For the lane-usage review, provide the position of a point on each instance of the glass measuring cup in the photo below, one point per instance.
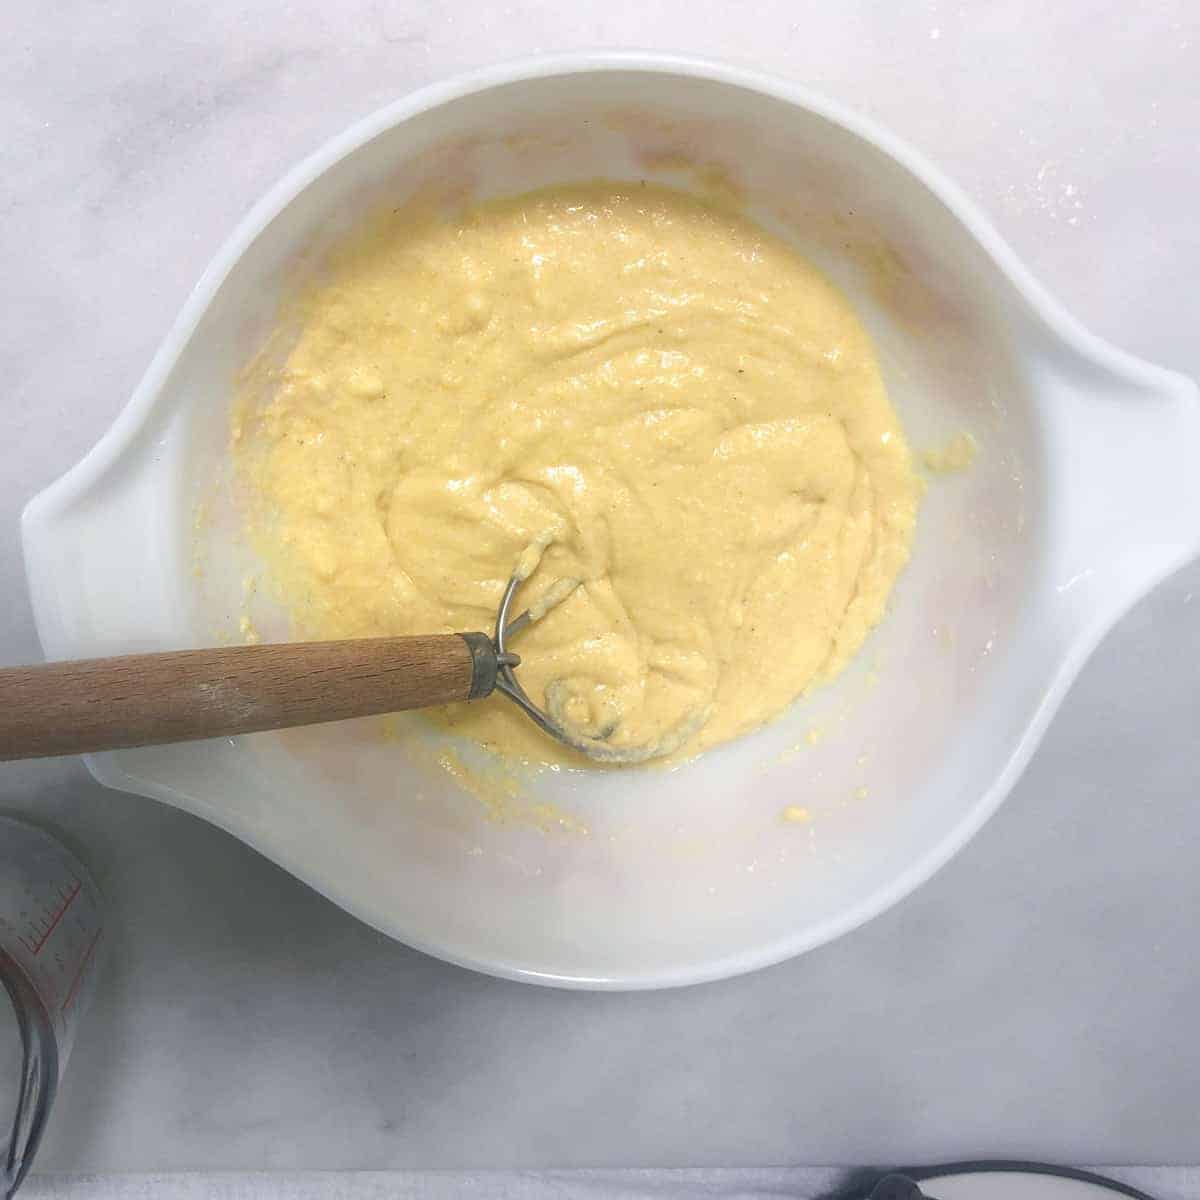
(51, 928)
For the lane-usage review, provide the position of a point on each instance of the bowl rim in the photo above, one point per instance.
(59, 496)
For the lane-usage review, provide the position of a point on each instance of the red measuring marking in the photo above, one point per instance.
(51, 922)
(83, 962)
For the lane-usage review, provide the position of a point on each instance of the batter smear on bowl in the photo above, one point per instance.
(636, 396)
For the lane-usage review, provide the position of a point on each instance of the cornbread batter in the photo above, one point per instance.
(649, 403)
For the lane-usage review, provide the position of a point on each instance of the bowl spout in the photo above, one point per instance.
(1126, 509)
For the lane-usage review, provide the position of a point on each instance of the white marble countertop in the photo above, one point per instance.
(613, 1183)
(1039, 997)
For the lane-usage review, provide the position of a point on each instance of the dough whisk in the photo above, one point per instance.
(100, 704)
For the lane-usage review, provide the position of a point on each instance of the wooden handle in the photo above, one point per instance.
(145, 699)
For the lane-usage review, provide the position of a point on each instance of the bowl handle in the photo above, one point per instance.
(1124, 509)
(107, 552)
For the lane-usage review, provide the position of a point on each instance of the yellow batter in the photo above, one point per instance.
(613, 385)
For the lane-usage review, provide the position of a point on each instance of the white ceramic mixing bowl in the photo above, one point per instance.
(1084, 493)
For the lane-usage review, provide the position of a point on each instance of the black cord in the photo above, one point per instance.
(996, 1165)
